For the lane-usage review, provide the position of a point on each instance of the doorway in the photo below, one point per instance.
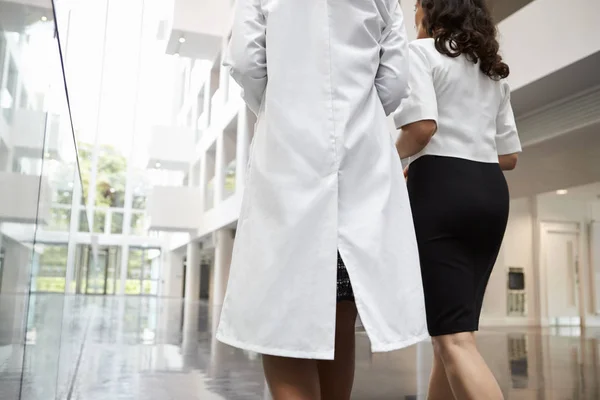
(560, 261)
(97, 276)
(143, 271)
(204, 280)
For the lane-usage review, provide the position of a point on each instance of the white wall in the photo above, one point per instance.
(202, 16)
(569, 209)
(520, 249)
(516, 251)
(542, 37)
(548, 35)
(595, 266)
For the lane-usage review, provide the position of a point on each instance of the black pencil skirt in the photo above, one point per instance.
(460, 210)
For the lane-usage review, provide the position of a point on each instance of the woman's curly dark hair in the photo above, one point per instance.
(465, 27)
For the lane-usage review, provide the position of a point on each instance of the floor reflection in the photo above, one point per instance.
(92, 348)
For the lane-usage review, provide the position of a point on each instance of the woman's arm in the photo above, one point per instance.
(507, 137)
(247, 54)
(391, 80)
(508, 162)
(417, 116)
(414, 137)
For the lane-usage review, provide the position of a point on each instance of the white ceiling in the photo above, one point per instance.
(567, 161)
(505, 8)
(501, 9)
(585, 193)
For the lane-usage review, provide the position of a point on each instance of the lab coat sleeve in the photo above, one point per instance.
(391, 80)
(421, 105)
(507, 137)
(246, 55)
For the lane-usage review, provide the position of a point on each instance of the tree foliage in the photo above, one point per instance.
(111, 176)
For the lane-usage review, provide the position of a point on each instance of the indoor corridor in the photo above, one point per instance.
(93, 347)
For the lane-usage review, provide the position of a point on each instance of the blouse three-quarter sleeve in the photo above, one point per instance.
(421, 105)
(391, 80)
(507, 138)
(247, 52)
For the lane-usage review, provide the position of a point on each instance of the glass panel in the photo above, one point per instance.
(114, 259)
(139, 200)
(151, 271)
(85, 162)
(40, 169)
(81, 273)
(3, 50)
(96, 276)
(138, 222)
(99, 221)
(134, 272)
(60, 219)
(112, 173)
(116, 222)
(230, 179)
(9, 93)
(84, 225)
(50, 268)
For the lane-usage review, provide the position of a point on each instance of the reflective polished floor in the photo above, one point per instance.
(126, 348)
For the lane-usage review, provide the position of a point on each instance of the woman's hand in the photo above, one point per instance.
(406, 173)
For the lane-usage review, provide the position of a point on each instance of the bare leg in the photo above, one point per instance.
(337, 376)
(468, 374)
(292, 378)
(439, 387)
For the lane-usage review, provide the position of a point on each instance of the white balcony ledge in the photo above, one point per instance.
(197, 28)
(19, 197)
(175, 209)
(171, 148)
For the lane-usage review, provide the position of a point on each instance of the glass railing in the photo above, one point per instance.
(40, 183)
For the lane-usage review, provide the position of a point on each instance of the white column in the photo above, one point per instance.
(208, 97)
(223, 250)
(219, 183)
(192, 273)
(202, 181)
(224, 77)
(242, 148)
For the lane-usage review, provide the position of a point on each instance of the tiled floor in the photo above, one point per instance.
(92, 348)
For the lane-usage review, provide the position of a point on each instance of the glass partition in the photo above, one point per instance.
(40, 185)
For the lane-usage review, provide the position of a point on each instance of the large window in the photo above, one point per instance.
(143, 271)
(110, 181)
(116, 222)
(50, 267)
(60, 219)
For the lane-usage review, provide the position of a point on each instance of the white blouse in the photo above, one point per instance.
(473, 113)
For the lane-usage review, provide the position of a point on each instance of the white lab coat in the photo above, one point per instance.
(323, 175)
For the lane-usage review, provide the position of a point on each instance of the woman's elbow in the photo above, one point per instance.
(508, 162)
(421, 131)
